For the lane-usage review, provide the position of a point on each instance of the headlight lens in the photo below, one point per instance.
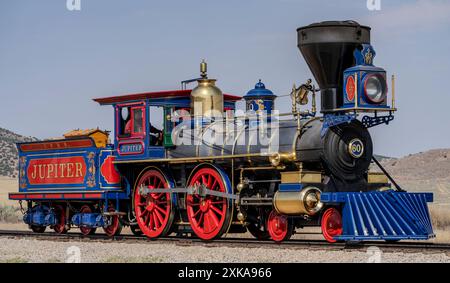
(375, 88)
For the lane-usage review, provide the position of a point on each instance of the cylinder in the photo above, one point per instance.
(305, 201)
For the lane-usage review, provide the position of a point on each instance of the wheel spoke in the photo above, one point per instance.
(210, 179)
(199, 222)
(213, 217)
(159, 216)
(216, 210)
(206, 223)
(155, 220)
(163, 211)
(151, 223)
(147, 219)
(214, 185)
(197, 212)
(204, 180)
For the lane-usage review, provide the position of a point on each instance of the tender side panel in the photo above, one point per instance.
(66, 165)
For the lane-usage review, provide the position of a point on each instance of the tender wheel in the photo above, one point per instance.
(60, 212)
(38, 229)
(136, 230)
(279, 226)
(331, 224)
(86, 230)
(209, 216)
(116, 226)
(154, 211)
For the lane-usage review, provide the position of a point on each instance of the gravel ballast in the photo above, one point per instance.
(28, 250)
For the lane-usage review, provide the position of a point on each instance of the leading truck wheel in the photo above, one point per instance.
(331, 224)
(154, 211)
(209, 215)
(279, 226)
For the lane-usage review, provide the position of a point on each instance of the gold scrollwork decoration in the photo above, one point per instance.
(91, 170)
(22, 178)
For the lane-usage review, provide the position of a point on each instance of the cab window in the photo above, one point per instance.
(124, 120)
(131, 121)
(138, 117)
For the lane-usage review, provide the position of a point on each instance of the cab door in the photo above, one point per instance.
(131, 130)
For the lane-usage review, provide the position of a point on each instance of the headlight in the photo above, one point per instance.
(375, 88)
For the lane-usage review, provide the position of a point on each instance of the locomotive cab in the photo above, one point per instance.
(135, 137)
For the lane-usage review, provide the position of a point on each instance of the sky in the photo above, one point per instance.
(53, 60)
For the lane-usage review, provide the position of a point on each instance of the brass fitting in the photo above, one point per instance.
(241, 216)
(281, 158)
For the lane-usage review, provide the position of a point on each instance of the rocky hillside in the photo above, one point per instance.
(8, 152)
(423, 171)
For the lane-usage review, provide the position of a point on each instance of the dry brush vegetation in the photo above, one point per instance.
(10, 214)
(440, 217)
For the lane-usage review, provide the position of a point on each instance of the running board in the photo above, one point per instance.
(387, 216)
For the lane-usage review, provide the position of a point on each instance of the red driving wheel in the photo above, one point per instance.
(154, 211)
(86, 230)
(279, 226)
(60, 212)
(116, 227)
(209, 215)
(331, 224)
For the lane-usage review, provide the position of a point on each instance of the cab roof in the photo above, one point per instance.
(172, 94)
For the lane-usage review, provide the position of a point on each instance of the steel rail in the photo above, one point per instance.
(237, 242)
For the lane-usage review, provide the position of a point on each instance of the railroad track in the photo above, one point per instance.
(424, 247)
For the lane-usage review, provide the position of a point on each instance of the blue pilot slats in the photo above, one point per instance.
(383, 215)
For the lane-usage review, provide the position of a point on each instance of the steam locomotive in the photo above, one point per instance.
(210, 171)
